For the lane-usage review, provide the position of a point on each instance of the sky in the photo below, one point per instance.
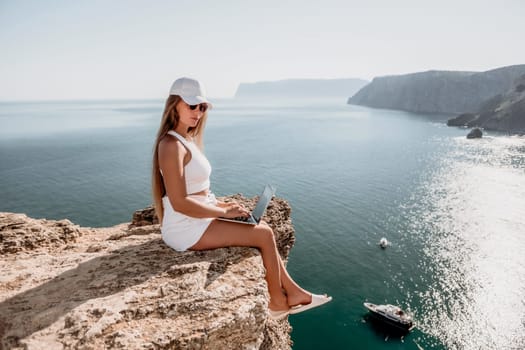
(92, 49)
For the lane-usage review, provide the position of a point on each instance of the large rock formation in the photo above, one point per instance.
(475, 133)
(437, 91)
(65, 286)
(298, 88)
(504, 112)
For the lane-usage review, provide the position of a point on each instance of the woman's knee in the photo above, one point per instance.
(266, 235)
(264, 223)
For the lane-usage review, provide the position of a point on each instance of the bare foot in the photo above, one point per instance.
(300, 297)
(278, 303)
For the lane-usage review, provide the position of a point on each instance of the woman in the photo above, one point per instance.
(187, 209)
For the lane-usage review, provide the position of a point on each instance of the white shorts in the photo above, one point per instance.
(180, 231)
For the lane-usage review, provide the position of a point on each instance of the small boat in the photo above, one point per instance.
(383, 243)
(392, 315)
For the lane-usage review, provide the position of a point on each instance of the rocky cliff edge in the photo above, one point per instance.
(63, 286)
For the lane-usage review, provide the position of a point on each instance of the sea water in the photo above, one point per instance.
(453, 209)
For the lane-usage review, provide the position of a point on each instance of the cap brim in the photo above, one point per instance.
(195, 100)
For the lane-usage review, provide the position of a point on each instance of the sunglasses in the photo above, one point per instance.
(202, 107)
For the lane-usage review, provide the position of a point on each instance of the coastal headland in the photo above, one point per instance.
(493, 100)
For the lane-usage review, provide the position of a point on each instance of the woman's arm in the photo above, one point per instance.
(172, 155)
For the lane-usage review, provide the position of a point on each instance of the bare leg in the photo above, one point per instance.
(226, 234)
(294, 293)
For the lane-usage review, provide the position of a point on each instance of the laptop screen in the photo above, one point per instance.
(263, 202)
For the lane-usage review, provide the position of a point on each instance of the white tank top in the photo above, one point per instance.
(197, 171)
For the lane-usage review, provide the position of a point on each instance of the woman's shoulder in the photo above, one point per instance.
(170, 144)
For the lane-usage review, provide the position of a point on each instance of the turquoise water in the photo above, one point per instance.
(454, 209)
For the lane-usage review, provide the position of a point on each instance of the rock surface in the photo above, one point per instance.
(68, 287)
(503, 112)
(475, 133)
(446, 92)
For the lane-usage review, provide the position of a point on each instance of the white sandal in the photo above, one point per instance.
(278, 315)
(317, 300)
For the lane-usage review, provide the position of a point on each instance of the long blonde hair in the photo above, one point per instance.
(170, 120)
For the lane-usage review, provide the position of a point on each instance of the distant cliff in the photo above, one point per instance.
(451, 92)
(296, 88)
(503, 112)
(68, 287)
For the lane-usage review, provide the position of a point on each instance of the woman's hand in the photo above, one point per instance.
(222, 204)
(234, 210)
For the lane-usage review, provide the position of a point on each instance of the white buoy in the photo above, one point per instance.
(383, 243)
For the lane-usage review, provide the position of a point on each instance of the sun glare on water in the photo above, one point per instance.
(471, 219)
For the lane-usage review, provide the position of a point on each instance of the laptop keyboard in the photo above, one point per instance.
(239, 218)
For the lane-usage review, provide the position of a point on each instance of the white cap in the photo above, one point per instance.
(190, 90)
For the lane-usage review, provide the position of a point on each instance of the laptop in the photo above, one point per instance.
(257, 213)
